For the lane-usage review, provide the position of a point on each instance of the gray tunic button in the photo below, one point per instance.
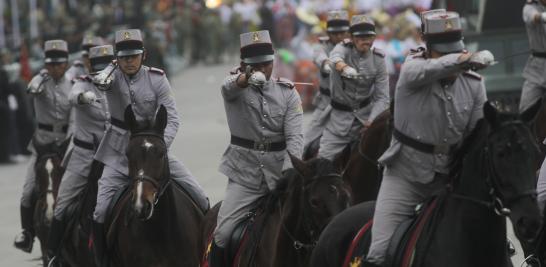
(265, 115)
(449, 113)
(445, 140)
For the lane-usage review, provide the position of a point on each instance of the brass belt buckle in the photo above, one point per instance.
(262, 146)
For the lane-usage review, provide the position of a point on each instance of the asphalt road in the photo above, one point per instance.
(202, 138)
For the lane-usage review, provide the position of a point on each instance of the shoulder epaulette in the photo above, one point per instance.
(78, 63)
(156, 70)
(378, 52)
(235, 70)
(472, 75)
(285, 82)
(347, 42)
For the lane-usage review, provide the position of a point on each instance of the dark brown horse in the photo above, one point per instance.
(362, 171)
(494, 180)
(539, 129)
(293, 216)
(49, 173)
(76, 240)
(155, 223)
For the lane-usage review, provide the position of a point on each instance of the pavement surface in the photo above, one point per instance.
(202, 138)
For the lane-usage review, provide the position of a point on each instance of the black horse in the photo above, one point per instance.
(290, 219)
(155, 222)
(494, 177)
(76, 239)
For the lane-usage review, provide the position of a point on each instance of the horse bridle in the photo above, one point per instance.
(497, 200)
(160, 188)
(310, 229)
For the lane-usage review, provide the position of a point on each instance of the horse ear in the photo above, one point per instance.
(130, 119)
(299, 165)
(490, 113)
(161, 119)
(529, 114)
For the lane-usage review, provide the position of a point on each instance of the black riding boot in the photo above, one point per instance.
(217, 257)
(54, 242)
(99, 245)
(25, 239)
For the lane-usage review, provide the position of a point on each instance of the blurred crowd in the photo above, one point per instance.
(181, 33)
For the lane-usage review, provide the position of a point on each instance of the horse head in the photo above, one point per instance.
(49, 172)
(509, 153)
(324, 192)
(148, 162)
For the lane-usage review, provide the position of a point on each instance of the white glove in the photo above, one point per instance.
(543, 17)
(102, 79)
(36, 85)
(349, 71)
(87, 97)
(326, 68)
(257, 79)
(481, 59)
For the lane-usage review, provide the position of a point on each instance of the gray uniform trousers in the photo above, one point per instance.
(239, 201)
(111, 181)
(541, 186)
(319, 120)
(69, 190)
(28, 187)
(395, 204)
(331, 143)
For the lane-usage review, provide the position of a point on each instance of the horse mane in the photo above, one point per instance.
(468, 145)
(293, 180)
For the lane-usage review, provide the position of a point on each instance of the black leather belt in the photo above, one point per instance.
(324, 91)
(51, 128)
(423, 147)
(539, 54)
(260, 146)
(343, 107)
(83, 144)
(118, 123)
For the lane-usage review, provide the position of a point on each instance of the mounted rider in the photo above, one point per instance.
(534, 87)
(129, 82)
(49, 91)
(438, 101)
(265, 120)
(91, 118)
(337, 27)
(359, 87)
(83, 66)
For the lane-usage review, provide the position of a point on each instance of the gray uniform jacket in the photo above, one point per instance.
(431, 113)
(146, 91)
(76, 70)
(272, 114)
(90, 122)
(320, 55)
(351, 92)
(536, 32)
(52, 107)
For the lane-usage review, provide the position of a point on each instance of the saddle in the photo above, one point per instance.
(403, 242)
(248, 230)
